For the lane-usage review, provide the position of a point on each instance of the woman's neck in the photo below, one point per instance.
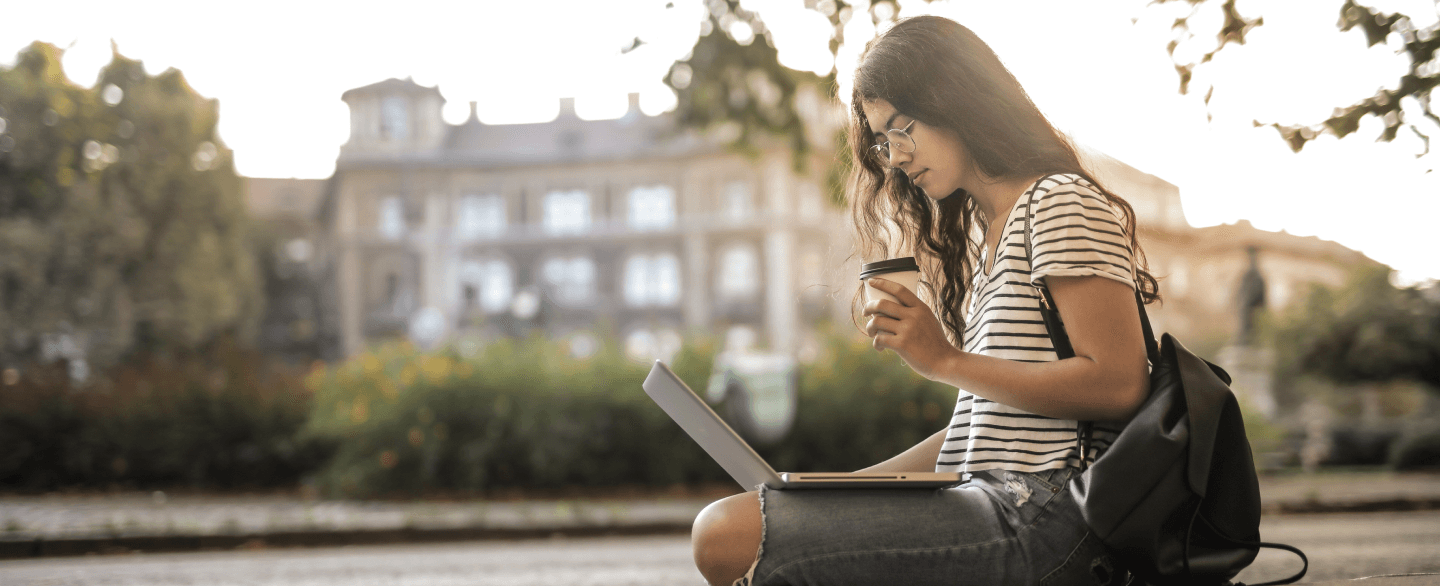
(997, 198)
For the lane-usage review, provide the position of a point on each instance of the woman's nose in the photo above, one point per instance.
(898, 157)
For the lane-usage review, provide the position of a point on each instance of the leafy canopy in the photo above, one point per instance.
(121, 219)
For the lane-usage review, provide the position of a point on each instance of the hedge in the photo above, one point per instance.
(523, 414)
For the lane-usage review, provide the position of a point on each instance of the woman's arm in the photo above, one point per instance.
(919, 458)
(1106, 380)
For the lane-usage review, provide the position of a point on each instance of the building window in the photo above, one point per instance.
(392, 218)
(739, 273)
(740, 339)
(571, 280)
(652, 208)
(394, 119)
(582, 345)
(480, 216)
(644, 345)
(489, 285)
(566, 212)
(737, 201)
(652, 280)
(392, 293)
(392, 289)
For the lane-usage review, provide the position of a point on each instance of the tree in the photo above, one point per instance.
(1368, 331)
(1392, 29)
(121, 220)
(734, 81)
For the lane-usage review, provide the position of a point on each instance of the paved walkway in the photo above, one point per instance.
(61, 524)
(1349, 491)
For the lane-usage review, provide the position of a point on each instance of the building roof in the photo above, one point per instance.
(567, 139)
(1242, 234)
(391, 86)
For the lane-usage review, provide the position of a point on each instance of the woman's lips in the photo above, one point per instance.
(916, 176)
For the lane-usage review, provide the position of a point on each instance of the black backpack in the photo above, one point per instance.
(1175, 498)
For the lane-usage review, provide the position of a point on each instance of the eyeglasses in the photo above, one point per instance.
(900, 137)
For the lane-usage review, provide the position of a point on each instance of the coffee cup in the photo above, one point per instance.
(902, 270)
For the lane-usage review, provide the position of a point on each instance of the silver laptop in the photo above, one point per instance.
(747, 467)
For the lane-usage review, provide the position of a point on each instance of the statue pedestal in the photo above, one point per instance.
(1250, 369)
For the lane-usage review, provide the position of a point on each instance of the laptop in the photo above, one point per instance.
(747, 467)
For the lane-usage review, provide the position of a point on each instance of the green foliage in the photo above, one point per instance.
(740, 82)
(858, 407)
(1367, 331)
(120, 213)
(522, 414)
(737, 85)
(1417, 449)
(1265, 436)
(526, 415)
(217, 417)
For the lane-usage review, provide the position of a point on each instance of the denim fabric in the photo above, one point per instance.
(1001, 527)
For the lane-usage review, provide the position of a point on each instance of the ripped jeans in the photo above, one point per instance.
(1000, 527)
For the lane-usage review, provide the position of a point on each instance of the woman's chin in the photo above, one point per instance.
(947, 194)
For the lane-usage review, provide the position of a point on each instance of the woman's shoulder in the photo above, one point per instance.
(1061, 184)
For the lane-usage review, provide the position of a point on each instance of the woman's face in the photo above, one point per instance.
(939, 163)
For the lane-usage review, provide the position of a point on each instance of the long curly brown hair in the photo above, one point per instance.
(937, 71)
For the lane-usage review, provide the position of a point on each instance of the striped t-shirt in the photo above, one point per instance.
(1074, 232)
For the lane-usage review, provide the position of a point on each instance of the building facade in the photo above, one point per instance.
(577, 230)
(634, 229)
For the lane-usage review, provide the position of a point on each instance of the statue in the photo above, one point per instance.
(1252, 298)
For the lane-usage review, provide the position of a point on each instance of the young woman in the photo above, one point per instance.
(951, 156)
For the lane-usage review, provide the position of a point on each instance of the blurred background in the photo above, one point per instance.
(429, 251)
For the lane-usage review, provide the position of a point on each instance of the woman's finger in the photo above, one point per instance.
(897, 290)
(883, 307)
(881, 342)
(882, 324)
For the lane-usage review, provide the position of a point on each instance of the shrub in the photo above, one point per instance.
(221, 417)
(520, 414)
(523, 414)
(1357, 445)
(1418, 449)
(858, 407)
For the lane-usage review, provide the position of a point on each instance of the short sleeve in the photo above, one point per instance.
(1076, 232)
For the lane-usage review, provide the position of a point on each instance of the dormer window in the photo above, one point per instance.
(395, 119)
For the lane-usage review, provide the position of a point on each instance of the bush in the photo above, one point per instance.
(858, 407)
(521, 414)
(525, 415)
(222, 417)
(1355, 445)
(1419, 449)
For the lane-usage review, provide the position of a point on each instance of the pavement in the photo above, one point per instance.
(59, 525)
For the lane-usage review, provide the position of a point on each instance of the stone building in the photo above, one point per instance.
(574, 229)
(633, 229)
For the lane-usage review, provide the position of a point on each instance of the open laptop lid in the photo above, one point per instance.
(711, 432)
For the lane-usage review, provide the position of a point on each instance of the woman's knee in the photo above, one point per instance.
(726, 536)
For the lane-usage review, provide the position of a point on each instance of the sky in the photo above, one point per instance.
(1097, 68)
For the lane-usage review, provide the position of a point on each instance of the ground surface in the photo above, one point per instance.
(1340, 547)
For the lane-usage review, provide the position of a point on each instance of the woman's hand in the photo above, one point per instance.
(909, 328)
